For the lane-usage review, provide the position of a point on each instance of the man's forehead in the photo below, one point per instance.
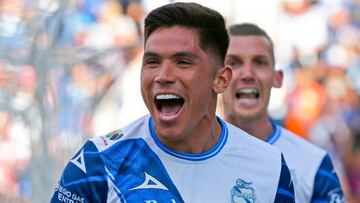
(249, 39)
(174, 40)
(176, 32)
(254, 45)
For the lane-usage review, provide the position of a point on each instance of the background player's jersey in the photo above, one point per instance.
(313, 174)
(131, 165)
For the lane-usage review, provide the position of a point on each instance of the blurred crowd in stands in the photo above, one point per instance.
(69, 70)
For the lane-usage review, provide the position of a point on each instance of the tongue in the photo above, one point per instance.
(170, 109)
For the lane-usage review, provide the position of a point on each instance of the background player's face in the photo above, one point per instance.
(253, 77)
(177, 83)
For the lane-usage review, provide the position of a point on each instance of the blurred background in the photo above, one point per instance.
(69, 71)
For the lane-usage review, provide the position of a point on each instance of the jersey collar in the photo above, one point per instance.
(275, 134)
(193, 157)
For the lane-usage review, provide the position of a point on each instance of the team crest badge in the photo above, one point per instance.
(242, 192)
(115, 135)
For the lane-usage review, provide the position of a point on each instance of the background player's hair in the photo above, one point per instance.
(209, 23)
(246, 29)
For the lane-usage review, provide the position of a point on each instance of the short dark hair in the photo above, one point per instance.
(246, 29)
(209, 23)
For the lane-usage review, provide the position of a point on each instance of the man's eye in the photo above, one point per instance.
(261, 62)
(232, 63)
(184, 62)
(150, 62)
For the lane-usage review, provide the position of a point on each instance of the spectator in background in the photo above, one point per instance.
(332, 130)
(122, 104)
(251, 56)
(137, 13)
(301, 28)
(8, 182)
(113, 28)
(305, 103)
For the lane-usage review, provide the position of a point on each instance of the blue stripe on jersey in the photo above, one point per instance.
(285, 192)
(138, 173)
(117, 191)
(328, 174)
(193, 157)
(275, 135)
(83, 175)
(326, 184)
(86, 180)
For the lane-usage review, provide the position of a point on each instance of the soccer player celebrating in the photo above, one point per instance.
(180, 152)
(251, 56)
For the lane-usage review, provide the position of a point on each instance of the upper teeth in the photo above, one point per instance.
(248, 91)
(167, 96)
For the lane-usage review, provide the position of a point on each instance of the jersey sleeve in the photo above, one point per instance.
(327, 186)
(84, 178)
(285, 190)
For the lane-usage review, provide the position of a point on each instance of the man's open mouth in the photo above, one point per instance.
(247, 94)
(168, 105)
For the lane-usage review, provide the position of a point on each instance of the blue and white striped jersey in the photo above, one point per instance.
(314, 177)
(131, 165)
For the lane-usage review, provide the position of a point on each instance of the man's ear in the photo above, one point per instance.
(222, 79)
(279, 75)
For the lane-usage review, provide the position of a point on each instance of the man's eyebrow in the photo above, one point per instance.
(176, 55)
(150, 54)
(232, 56)
(261, 54)
(186, 54)
(262, 57)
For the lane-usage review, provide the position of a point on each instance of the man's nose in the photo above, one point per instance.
(247, 72)
(166, 73)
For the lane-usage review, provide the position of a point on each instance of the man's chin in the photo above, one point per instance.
(247, 114)
(167, 132)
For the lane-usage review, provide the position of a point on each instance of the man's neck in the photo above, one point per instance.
(259, 127)
(200, 140)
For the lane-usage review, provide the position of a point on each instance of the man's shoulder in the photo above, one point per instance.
(101, 151)
(95, 165)
(246, 138)
(253, 145)
(134, 130)
(302, 157)
(289, 141)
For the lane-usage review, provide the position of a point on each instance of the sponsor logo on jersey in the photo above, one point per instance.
(242, 192)
(115, 135)
(64, 195)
